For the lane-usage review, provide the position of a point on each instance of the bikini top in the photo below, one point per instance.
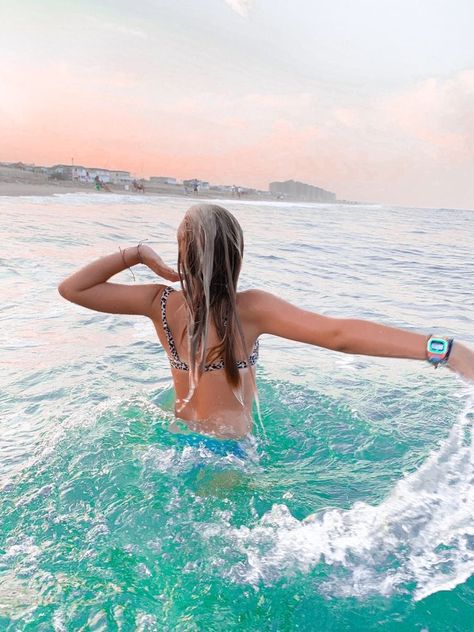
(177, 363)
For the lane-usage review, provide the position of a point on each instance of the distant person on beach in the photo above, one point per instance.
(210, 331)
(138, 186)
(196, 187)
(100, 184)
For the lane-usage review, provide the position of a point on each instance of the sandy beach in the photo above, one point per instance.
(17, 182)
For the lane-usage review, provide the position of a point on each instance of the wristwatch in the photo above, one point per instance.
(438, 350)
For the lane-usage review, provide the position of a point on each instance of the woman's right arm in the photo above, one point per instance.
(273, 315)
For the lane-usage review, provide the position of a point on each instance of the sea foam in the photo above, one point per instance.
(420, 538)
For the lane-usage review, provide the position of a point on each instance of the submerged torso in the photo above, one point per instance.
(213, 408)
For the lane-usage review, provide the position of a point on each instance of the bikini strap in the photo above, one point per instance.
(175, 360)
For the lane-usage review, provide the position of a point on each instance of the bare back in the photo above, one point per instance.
(213, 408)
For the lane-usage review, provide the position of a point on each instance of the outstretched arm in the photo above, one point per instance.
(90, 286)
(275, 316)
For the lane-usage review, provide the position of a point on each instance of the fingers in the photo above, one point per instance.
(168, 273)
(173, 276)
(161, 269)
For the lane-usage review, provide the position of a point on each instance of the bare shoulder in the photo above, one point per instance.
(258, 306)
(270, 314)
(159, 288)
(158, 291)
(254, 299)
(258, 299)
(254, 294)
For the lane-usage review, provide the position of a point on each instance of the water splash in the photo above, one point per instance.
(420, 539)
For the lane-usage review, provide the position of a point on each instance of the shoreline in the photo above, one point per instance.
(18, 183)
(25, 189)
(29, 189)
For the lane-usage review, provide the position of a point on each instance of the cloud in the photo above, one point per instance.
(115, 27)
(413, 146)
(438, 114)
(239, 6)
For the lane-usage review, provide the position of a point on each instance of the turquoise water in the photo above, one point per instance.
(355, 513)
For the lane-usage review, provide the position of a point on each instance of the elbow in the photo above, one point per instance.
(65, 291)
(340, 341)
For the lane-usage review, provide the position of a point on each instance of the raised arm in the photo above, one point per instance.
(275, 316)
(90, 286)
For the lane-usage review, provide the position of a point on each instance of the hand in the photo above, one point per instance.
(461, 360)
(155, 262)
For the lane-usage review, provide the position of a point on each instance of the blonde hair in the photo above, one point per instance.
(211, 246)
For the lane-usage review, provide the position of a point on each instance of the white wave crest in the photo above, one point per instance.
(421, 536)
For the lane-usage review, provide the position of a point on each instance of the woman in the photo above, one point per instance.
(210, 331)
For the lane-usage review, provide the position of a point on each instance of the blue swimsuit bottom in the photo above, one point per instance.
(244, 449)
(218, 447)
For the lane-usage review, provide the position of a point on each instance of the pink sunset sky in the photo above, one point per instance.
(371, 99)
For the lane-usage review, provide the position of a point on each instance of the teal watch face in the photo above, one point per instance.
(437, 345)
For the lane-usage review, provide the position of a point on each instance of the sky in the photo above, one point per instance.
(371, 99)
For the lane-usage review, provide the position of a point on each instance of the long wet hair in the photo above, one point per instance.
(211, 246)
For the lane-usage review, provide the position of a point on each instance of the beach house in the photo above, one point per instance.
(163, 180)
(301, 191)
(87, 174)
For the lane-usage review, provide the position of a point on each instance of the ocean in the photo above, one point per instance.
(355, 510)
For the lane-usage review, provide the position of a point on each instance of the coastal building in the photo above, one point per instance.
(87, 174)
(163, 180)
(301, 191)
(249, 191)
(31, 168)
(67, 172)
(225, 188)
(18, 165)
(40, 169)
(120, 177)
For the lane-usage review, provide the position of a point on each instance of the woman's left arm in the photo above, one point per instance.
(90, 286)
